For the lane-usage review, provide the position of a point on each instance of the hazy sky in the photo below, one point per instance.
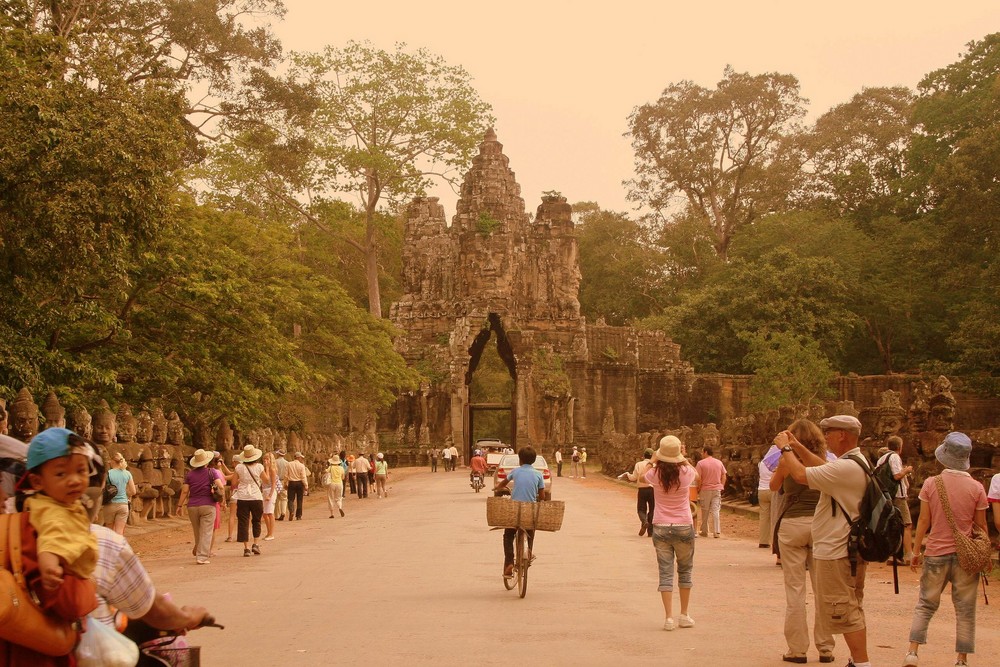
(562, 78)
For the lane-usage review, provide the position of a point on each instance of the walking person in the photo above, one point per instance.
(712, 473)
(381, 475)
(558, 458)
(794, 535)
(116, 509)
(434, 459)
(574, 460)
(583, 463)
(248, 477)
(446, 455)
(218, 466)
(950, 502)
(840, 585)
(765, 519)
(281, 502)
(270, 493)
(361, 468)
(196, 497)
(645, 501)
(335, 489)
(673, 533)
(352, 477)
(901, 500)
(298, 483)
(453, 450)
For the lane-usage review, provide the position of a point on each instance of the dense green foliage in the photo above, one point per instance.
(117, 283)
(867, 242)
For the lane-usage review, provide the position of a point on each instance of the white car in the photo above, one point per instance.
(510, 461)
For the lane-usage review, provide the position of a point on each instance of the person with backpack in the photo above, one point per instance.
(892, 474)
(954, 492)
(840, 578)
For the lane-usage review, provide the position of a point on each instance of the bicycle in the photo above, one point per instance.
(522, 561)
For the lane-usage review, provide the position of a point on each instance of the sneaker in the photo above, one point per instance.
(668, 624)
(826, 657)
(203, 562)
(911, 660)
(685, 621)
(961, 663)
(269, 538)
(255, 549)
(508, 570)
(246, 553)
(799, 659)
(717, 535)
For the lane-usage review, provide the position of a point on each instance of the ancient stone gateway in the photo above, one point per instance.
(497, 274)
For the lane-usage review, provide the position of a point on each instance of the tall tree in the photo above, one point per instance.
(788, 369)
(388, 124)
(857, 153)
(729, 152)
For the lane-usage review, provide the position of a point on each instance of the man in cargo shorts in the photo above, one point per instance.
(841, 483)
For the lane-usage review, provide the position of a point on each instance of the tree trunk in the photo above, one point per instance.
(371, 265)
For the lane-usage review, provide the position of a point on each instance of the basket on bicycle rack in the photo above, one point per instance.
(502, 512)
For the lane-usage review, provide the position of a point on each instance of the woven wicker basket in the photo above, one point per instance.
(502, 512)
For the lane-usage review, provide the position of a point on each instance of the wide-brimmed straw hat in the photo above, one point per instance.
(249, 455)
(334, 460)
(202, 457)
(669, 451)
(954, 451)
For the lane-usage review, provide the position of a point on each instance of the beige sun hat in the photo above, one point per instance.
(249, 455)
(201, 458)
(669, 451)
(335, 460)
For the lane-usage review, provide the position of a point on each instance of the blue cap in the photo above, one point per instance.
(954, 451)
(51, 443)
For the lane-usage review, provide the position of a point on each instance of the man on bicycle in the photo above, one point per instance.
(529, 487)
(477, 465)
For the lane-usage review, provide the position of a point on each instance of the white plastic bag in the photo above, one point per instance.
(103, 646)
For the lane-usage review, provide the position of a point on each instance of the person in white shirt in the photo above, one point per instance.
(446, 455)
(645, 502)
(558, 457)
(361, 467)
(900, 500)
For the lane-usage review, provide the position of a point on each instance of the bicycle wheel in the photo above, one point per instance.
(522, 563)
(513, 580)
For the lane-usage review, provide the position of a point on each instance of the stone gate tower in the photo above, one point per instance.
(495, 271)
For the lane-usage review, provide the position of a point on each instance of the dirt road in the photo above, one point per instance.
(414, 579)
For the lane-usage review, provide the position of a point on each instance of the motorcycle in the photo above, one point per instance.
(477, 481)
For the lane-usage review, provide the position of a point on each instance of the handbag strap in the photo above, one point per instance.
(4, 518)
(14, 548)
(945, 505)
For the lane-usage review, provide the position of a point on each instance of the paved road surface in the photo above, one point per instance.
(415, 580)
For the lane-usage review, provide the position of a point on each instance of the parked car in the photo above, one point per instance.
(510, 461)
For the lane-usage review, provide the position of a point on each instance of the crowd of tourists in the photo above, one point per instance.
(814, 479)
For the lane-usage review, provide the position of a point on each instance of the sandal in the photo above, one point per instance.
(229, 539)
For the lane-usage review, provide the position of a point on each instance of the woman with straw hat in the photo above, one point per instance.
(196, 497)
(248, 477)
(672, 529)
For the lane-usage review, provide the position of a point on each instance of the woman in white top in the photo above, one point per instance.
(248, 477)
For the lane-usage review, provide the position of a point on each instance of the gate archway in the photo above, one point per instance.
(494, 327)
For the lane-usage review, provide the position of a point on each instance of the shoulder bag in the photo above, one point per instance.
(975, 552)
(218, 493)
(22, 622)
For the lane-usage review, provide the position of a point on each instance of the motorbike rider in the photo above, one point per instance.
(477, 465)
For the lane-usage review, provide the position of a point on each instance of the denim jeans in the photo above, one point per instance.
(938, 572)
(674, 542)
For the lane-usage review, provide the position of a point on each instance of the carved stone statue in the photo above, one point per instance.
(920, 407)
(23, 420)
(890, 415)
(104, 426)
(224, 437)
(55, 414)
(942, 406)
(175, 430)
(127, 427)
(82, 423)
(144, 428)
(159, 427)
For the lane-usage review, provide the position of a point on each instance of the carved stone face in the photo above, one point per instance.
(23, 417)
(175, 430)
(55, 415)
(942, 418)
(82, 423)
(888, 425)
(104, 428)
(144, 428)
(159, 427)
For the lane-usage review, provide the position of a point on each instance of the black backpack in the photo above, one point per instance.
(877, 534)
(886, 479)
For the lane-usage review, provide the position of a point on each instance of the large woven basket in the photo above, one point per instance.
(502, 512)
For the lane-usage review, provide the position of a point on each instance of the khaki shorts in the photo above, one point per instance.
(904, 510)
(113, 511)
(837, 600)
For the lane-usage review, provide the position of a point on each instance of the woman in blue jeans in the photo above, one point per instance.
(966, 500)
(672, 530)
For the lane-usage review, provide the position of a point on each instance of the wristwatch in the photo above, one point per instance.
(787, 448)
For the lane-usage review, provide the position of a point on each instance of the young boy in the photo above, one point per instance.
(529, 487)
(59, 469)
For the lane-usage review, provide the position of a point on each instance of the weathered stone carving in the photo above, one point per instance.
(55, 414)
(942, 406)
(23, 419)
(82, 423)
